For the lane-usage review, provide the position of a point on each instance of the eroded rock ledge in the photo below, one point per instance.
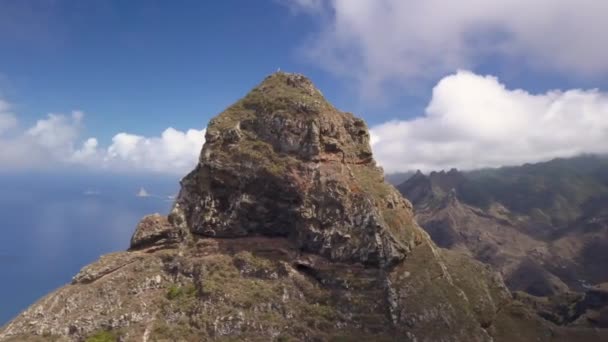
(258, 288)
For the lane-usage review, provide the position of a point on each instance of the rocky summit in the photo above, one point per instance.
(283, 162)
(285, 231)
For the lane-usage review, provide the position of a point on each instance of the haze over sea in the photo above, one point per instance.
(54, 224)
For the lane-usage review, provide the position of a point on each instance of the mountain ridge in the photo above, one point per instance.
(542, 226)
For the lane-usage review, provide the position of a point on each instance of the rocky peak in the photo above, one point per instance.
(417, 188)
(282, 161)
(288, 114)
(451, 198)
(436, 189)
(446, 181)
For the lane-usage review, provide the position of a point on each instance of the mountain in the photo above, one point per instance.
(543, 226)
(285, 230)
(398, 177)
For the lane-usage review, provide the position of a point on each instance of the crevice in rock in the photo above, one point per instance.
(309, 271)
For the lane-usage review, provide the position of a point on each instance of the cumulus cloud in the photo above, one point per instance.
(471, 121)
(56, 140)
(382, 41)
(174, 151)
(41, 145)
(474, 121)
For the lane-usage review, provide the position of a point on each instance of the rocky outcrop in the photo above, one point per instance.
(155, 229)
(285, 230)
(283, 162)
(259, 288)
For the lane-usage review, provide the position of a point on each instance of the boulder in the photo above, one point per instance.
(154, 229)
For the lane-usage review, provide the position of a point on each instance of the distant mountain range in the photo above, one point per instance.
(543, 226)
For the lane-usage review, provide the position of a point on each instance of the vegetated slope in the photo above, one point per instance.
(543, 226)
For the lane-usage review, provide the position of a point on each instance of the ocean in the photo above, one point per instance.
(53, 224)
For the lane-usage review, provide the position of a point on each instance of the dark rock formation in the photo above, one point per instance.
(155, 229)
(283, 162)
(284, 231)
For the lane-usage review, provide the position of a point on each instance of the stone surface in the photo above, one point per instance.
(155, 229)
(265, 289)
(284, 162)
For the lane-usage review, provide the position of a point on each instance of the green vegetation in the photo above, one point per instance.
(552, 193)
(371, 182)
(102, 336)
(399, 223)
(272, 95)
(262, 153)
(319, 311)
(256, 262)
(277, 92)
(174, 332)
(559, 188)
(175, 292)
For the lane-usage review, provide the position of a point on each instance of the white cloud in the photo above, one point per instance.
(56, 134)
(474, 121)
(42, 145)
(56, 141)
(471, 121)
(174, 151)
(87, 151)
(382, 41)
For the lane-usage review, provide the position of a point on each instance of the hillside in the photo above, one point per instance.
(543, 226)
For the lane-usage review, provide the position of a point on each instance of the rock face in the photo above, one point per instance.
(284, 162)
(285, 230)
(155, 229)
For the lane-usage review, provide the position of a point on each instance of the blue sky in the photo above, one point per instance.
(139, 67)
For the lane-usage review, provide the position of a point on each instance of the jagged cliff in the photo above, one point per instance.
(284, 162)
(285, 230)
